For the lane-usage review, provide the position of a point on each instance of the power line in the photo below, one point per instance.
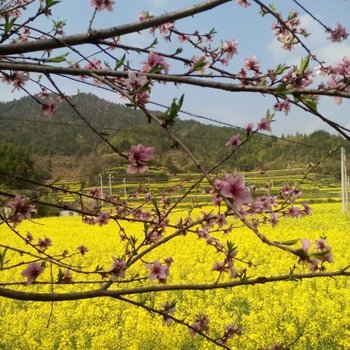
(197, 116)
(191, 114)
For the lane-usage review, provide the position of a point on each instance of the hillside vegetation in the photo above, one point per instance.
(63, 146)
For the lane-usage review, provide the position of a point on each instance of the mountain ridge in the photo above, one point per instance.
(63, 145)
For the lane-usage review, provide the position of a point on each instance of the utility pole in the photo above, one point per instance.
(124, 182)
(344, 182)
(110, 177)
(101, 184)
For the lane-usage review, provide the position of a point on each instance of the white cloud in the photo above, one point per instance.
(334, 53)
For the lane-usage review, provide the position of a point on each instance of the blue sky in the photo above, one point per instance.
(254, 36)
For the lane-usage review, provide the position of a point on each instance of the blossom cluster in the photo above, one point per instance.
(21, 209)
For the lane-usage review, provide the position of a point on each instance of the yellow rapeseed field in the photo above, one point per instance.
(310, 314)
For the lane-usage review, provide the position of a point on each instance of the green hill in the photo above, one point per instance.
(64, 146)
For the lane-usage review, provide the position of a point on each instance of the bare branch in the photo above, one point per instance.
(48, 297)
(94, 35)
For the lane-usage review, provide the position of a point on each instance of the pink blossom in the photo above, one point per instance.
(118, 269)
(333, 83)
(230, 331)
(145, 215)
(93, 64)
(230, 48)
(344, 66)
(242, 75)
(183, 38)
(24, 35)
(263, 204)
(144, 15)
(216, 198)
(168, 309)
(18, 204)
(243, 3)
(200, 63)
(321, 244)
(89, 220)
(103, 219)
(142, 98)
(22, 209)
(338, 34)
(338, 100)
(165, 28)
(293, 212)
(43, 244)
(135, 81)
(265, 124)
(231, 255)
(273, 219)
(249, 128)
(208, 36)
(219, 266)
(82, 249)
(218, 184)
(95, 192)
(328, 257)
(138, 156)
(233, 187)
(282, 106)
(305, 245)
(234, 140)
(154, 235)
(32, 271)
(158, 271)
(169, 260)
(203, 233)
(66, 277)
(29, 237)
(201, 324)
(155, 61)
(286, 191)
(314, 265)
(251, 63)
(307, 209)
(221, 220)
(285, 28)
(49, 109)
(43, 93)
(17, 79)
(295, 79)
(102, 4)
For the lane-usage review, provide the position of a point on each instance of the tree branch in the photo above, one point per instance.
(173, 78)
(48, 297)
(94, 35)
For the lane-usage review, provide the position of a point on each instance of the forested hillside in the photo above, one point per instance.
(16, 161)
(64, 146)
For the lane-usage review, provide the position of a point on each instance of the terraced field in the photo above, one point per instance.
(316, 189)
